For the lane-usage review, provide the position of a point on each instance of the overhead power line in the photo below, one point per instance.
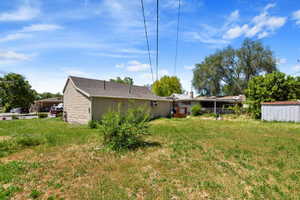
(147, 39)
(177, 37)
(157, 36)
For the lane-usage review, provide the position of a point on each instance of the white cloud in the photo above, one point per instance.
(113, 55)
(8, 57)
(117, 52)
(206, 38)
(22, 34)
(269, 6)
(236, 32)
(122, 14)
(296, 17)
(189, 67)
(120, 66)
(172, 4)
(215, 36)
(136, 66)
(260, 26)
(147, 77)
(76, 72)
(281, 61)
(11, 55)
(14, 36)
(41, 27)
(234, 16)
(23, 13)
(133, 51)
(296, 68)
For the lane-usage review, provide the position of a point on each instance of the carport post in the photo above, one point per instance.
(215, 106)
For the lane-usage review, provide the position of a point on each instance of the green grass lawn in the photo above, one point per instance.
(195, 159)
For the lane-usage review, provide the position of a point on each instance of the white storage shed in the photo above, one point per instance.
(285, 111)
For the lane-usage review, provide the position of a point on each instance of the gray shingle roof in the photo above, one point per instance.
(100, 88)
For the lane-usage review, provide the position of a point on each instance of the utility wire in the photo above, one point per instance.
(177, 38)
(157, 32)
(147, 39)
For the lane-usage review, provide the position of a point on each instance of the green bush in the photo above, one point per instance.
(42, 115)
(124, 131)
(196, 110)
(14, 117)
(29, 140)
(237, 109)
(20, 142)
(92, 124)
(7, 147)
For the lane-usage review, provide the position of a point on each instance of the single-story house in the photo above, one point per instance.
(44, 105)
(287, 111)
(211, 104)
(88, 99)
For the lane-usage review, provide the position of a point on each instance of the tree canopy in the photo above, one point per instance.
(271, 87)
(227, 71)
(126, 80)
(166, 86)
(47, 95)
(16, 92)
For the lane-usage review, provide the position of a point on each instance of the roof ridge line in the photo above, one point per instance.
(107, 81)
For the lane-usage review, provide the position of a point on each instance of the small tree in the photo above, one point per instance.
(166, 86)
(124, 131)
(271, 87)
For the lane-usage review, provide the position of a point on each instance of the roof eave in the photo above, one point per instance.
(133, 98)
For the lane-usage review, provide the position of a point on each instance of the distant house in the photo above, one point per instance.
(88, 99)
(44, 105)
(286, 111)
(210, 104)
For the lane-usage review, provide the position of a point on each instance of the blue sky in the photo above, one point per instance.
(47, 40)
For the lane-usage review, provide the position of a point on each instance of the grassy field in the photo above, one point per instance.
(188, 159)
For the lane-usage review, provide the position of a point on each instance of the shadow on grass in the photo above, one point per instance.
(144, 145)
(137, 145)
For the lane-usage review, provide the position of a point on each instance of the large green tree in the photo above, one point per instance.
(166, 86)
(271, 87)
(227, 71)
(126, 80)
(16, 92)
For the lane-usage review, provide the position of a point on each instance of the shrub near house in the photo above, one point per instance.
(196, 110)
(123, 131)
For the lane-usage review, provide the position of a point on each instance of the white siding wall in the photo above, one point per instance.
(76, 105)
(286, 113)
